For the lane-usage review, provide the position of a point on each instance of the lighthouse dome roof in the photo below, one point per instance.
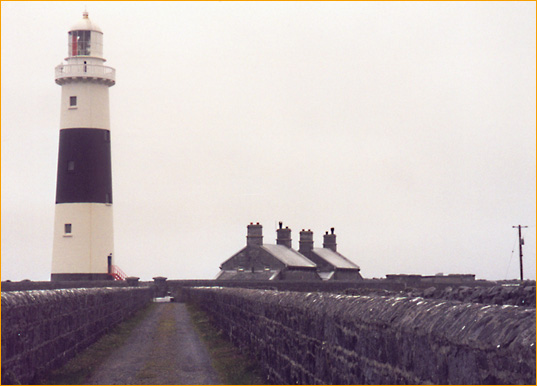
(85, 24)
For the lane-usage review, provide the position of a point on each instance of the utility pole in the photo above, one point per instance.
(520, 244)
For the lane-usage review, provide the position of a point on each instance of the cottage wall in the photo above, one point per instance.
(300, 275)
(347, 274)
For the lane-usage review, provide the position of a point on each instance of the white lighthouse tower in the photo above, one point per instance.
(83, 226)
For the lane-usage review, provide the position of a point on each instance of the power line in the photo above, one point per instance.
(510, 258)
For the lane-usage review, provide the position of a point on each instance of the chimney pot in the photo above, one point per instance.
(329, 241)
(283, 236)
(305, 242)
(254, 235)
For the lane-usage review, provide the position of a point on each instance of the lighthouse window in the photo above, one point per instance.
(67, 229)
(70, 166)
(107, 135)
(72, 101)
(79, 43)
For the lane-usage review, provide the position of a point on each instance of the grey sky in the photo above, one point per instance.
(409, 127)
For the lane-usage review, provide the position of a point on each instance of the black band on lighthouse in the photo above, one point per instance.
(84, 166)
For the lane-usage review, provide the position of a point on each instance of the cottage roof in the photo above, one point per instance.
(288, 256)
(334, 258)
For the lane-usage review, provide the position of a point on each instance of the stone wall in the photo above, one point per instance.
(321, 338)
(175, 286)
(520, 294)
(41, 330)
(513, 294)
(28, 285)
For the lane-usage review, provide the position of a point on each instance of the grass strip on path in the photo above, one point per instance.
(160, 362)
(232, 366)
(81, 367)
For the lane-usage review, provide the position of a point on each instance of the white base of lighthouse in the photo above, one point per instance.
(83, 241)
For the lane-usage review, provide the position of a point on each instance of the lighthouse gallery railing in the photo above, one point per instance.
(64, 71)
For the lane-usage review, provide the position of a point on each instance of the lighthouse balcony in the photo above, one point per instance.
(68, 72)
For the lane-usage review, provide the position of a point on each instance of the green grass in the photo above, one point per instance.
(80, 368)
(232, 366)
(160, 361)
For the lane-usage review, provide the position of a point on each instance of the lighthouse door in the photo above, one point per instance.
(110, 263)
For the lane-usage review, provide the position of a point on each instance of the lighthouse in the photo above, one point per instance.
(83, 247)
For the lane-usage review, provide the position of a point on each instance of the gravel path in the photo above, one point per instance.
(163, 350)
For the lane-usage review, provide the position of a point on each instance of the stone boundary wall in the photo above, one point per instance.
(41, 330)
(175, 287)
(301, 286)
(28, 285)
(515, 295)
(321, 338)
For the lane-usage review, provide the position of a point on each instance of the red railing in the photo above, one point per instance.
(117, 273)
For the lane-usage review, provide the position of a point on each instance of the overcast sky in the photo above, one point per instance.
(409, 127)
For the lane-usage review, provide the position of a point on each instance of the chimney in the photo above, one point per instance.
(255, 234)
(330, 240)
(306, 242)
(283, 236)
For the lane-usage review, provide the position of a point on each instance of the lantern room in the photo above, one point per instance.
(85, 39)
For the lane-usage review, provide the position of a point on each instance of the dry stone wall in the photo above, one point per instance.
(320, 338)
(514, 295)
(28, 285)
(41, 330)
